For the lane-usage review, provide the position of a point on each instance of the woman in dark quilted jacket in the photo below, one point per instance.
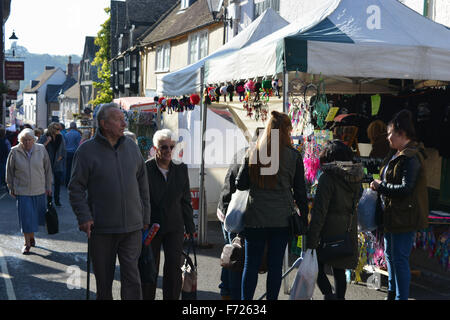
(334, 213)
(404, 200)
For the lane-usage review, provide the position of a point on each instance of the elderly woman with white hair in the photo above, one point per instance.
(29, 178)
(170, 199)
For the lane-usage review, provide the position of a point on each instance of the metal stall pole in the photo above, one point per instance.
(203, 214)
(286, 286)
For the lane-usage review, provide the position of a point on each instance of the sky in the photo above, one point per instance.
(56, 27)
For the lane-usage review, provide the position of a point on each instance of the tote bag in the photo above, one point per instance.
(234, 220)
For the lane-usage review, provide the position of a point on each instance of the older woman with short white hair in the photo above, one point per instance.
(170, 199)
(29, 178)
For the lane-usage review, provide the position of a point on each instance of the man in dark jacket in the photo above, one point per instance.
(108, 191)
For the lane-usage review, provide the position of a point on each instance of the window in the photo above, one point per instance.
(198, 46)
(127, 69)
(87, 69)
(262, 5)
(134, 61)
(163, 57)
(184, 4)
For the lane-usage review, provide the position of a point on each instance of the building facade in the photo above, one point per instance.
(88, 74)
(187, 34)
(129, 20)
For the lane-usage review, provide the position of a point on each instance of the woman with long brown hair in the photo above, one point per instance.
(273, 172)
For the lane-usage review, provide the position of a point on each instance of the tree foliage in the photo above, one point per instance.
(101, 61)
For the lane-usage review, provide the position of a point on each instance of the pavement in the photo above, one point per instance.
(56, 269)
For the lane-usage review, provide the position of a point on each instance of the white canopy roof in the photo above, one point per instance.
(346, 38)
(187, 80)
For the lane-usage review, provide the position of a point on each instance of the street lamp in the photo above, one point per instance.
(214, 7)
(13, 45)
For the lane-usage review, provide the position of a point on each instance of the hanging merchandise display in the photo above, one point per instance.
(320, 106)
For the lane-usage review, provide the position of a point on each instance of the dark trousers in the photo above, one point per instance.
(255, 242)
(57, 176)
(69, 161)
(340, 282)
(173, 247)
(230, 280)
(104, 250)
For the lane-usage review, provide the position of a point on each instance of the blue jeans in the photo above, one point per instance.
(255, 241)
(230, 281)
(397, 251)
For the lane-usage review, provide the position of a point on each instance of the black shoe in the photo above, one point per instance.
(57, 203)
(330, 296)
(26, 250)
(391, 295)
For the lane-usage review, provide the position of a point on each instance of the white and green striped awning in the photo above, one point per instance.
(347, 38)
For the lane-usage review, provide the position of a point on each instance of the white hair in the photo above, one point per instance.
(164, 134)
(26, 132)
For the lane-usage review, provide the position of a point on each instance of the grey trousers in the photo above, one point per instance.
(172, 279)
(104, 250)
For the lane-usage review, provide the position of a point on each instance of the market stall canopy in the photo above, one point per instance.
(187, 80)
(143, 103)
(346, 38)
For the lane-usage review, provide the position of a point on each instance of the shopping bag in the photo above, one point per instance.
(367, 211)
(51, 218)
(189, 276)
(305, 280)
(234, 219)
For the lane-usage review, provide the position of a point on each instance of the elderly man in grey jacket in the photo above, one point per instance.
(109, 194)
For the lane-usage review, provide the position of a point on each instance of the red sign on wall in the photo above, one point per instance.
(14, 70)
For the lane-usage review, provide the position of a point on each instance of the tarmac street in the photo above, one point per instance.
(56, 268)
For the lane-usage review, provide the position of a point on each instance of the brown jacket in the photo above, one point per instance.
(29, 176)
(405, 191)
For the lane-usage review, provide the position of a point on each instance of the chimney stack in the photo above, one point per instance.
(70, 68)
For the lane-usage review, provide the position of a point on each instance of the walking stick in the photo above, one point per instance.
(88, 279)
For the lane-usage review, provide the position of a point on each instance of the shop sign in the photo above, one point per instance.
(14, 70)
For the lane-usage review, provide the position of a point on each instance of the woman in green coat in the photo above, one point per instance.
(334, 212)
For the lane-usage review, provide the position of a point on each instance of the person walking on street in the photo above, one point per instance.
(5, 148)
(72, 139)
(109, 195)
(230, 286)
(273, 189)
(170, 198)
(404, 201)
(56, 148)
(29, 179)
(334, 213)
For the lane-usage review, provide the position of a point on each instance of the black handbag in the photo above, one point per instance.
(297, 225)
(335, 247)
(51, 218)
(147, 266)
